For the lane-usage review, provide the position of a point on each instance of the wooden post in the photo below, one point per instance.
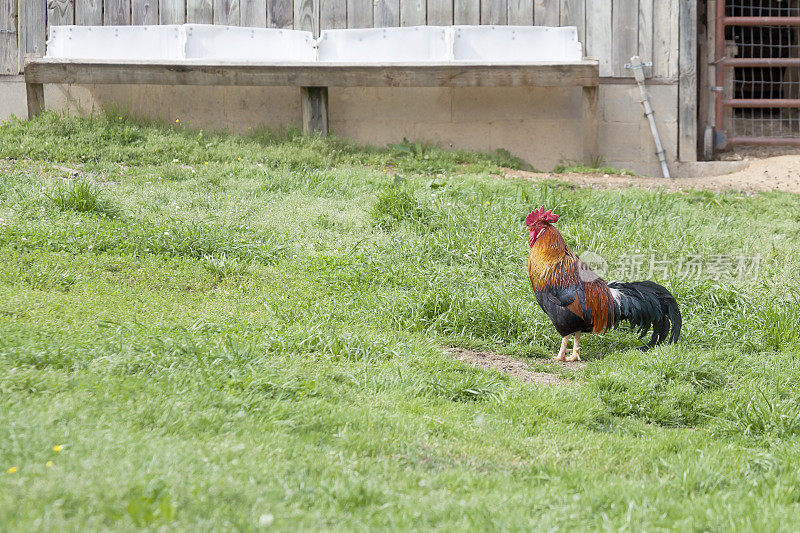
(34, 91)
(314, 102)
(35, 98)
(687, 82)
(591, 124)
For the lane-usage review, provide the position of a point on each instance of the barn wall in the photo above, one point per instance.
(540, 125)
(611, 30)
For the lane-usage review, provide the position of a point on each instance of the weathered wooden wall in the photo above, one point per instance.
(611, 30)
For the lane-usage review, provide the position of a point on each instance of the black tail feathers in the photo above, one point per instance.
(645, 304)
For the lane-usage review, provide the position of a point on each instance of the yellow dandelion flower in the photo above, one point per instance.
(177, 120)
(12, 470)
(206, 162)
(48, 464)
(120, 118)
(58, 448)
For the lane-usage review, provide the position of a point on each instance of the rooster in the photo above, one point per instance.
(578, 300)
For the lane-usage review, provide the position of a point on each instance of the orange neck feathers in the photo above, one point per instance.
(550, 260)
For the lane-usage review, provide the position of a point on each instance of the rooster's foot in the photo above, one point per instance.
(559, 357)
(572, 358)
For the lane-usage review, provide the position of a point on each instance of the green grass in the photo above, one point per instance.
(242, 332)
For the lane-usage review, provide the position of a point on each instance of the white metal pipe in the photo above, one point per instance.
(637, 67)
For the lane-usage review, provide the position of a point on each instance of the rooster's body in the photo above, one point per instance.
(578, 300)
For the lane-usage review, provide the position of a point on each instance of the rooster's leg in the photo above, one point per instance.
(576, 348)
(562, 353)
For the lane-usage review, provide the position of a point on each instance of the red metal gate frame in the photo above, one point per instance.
(722, 62)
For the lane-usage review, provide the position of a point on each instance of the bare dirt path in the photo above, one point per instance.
(780, 173)
(512, 366)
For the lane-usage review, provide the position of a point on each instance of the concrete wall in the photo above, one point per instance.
(540, 125)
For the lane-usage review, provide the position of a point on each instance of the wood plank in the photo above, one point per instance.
(687, 85)
(51, 70)
(646, 32)
(306, 16)
(35, 94)
(665, 39)
(467, 12)
(172, 12)
(144, 12)
(60, 13)
(89, 12)
(116, 12)
(625, 39)
(253, 13)
(494, 12)
(386, 13)
(591, 125)
(598, 33)
(314, 104)
(32, 27)
(9, 48)
(200, 11)
(279, 14)
(332, 14)
(573, 13)
(520, 12)
(547, 12)
(440, 12)
(226, 12)
(412, 12)
(359, 13)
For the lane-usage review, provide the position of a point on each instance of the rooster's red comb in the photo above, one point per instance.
(541, 215)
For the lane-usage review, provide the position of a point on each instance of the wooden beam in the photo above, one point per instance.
(35, 92)
(172, 12)
(314, 103)
(144, 12)
(9, 51)
(89, 13)
(199, 11)
(494, 12)
(306, 16)
(598, 34)
(359, 13)
(591, 124)
(253, 13)
(332, 14)
(412, 12)
(117, 12)
(520, 12)
(32, 27)
(53, 70)
(545, 13)
(279, 14)
(687, 82)
(467, 12)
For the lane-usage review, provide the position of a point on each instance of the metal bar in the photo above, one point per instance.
(765, 141)
(765, 62)
(719, 72)
(760, 21)
(762, 103)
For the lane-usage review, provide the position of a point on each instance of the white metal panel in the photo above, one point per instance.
(386, 45)
(116, 42)
(234, 43)
(518, 44)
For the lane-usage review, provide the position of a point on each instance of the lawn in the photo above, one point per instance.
(211, 332)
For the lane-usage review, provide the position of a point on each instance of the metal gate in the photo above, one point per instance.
(758, 73)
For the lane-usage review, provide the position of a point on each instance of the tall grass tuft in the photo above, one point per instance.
(82, 196)
(396, 205)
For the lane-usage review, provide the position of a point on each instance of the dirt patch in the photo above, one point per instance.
(761, 175)
(512, 366)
